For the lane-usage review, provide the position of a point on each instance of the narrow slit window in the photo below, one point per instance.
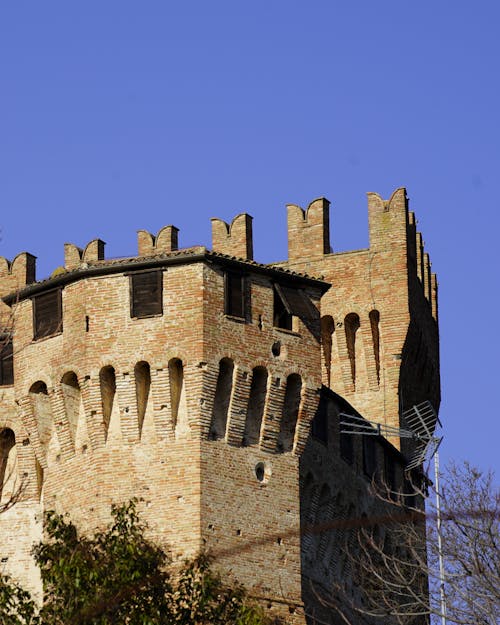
(375, 327)
(6, 362)
(223, 391)
(351, 326)
(142, 373)
(346, 440)
(369, 456)
(234, 294)
(290, 412)
(176, 376)
(319, 426)
(7, 442)
(256, 406)
(107, 381)
(146, 294)
(47, 314)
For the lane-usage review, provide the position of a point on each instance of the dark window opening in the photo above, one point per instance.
(282, 318)
(290, 413)
(369, 456)
(375, 326)
(319, 427)
(223, 391)
(142, 375)
(234, 295)
(256, 406)
(351, 326)
(107, 382)
(7, 442)
(6, 362)
(289, 303)
(146, 294)
(47, 314)
(390, 476)
(346, 440)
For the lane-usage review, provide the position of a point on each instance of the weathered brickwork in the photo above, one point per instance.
(189, 378)
(379, 319)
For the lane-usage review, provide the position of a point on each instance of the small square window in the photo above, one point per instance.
(6, 362)
(146, 294)
(47, 314)
(234, 294)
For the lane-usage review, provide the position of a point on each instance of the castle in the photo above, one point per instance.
(210, 386)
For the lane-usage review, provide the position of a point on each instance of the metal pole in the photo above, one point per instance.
(440, 544)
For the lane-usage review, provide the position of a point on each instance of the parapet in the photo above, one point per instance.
(165, 241)
(234, 239)
(17, 274)
(74, 256)
(309, 230)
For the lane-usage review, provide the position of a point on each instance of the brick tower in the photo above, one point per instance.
(190, 378)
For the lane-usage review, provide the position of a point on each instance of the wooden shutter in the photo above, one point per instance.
(234, 295)
(47, 314)
(295, 301)
(146, 294)
(6, 362)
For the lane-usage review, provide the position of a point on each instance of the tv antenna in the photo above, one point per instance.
(419, 424)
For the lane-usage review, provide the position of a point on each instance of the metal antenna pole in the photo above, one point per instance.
(440, 544)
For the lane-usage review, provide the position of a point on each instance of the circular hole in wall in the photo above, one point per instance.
(276, 349)
(262, 472)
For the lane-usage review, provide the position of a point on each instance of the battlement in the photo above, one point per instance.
(309, 229)
(75, 256)
(165, 241)
(234, 239)
(17, 274)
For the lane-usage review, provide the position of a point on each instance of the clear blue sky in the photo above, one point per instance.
(120, 115)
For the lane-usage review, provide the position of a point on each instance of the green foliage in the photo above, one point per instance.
(16, 605)
(120, 577)
(201, 597)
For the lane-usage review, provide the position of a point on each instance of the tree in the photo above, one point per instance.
(121, 577)
(395, 564)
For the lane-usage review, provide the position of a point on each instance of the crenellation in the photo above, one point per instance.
(234, 239)
(309, 230)
(75, 257)
(166, 241)
(18, 273)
